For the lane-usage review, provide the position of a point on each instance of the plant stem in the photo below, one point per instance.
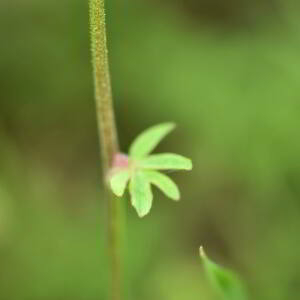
(103, 94)
(108, 136)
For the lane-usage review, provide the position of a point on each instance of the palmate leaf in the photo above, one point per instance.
(166, 161)
(226, 282)
(141, 194)
(118, 182)
(164, 183)
(149, 139)
(140, 169)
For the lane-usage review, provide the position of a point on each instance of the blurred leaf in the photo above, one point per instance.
(118, 182)
(164, 183)
(166, 161)
(141, 194)
(225, 281)
(149, 139)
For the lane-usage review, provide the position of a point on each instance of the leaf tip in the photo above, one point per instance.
(176, 195)
(176, 198)
(118, 182)
(189, 165)
(142, 214)
(170, 125)
(202, 252)
(117, 193)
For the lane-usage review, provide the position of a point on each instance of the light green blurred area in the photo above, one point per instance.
(226, 72)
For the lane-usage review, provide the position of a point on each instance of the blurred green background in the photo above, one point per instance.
(227, 72)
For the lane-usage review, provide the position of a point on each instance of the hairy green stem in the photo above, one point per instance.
(103, 94)
(108, 137)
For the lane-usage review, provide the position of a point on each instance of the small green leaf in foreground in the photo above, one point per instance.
(164, 183)
(226, 282)
(141, 194)
(166, 161)
(149, 139)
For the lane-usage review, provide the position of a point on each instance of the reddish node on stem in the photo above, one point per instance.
(120, 160)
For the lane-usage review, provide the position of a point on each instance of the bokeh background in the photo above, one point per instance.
(227, 72)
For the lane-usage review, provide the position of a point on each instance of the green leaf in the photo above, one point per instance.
(164, 183)
(118, 182)
(166, 161)
(226, 282)
(149, 139)
(141, 194)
